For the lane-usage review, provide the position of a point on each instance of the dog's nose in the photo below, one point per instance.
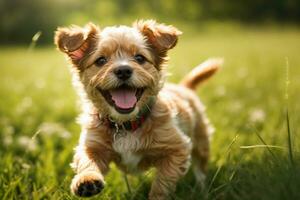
(123, 72)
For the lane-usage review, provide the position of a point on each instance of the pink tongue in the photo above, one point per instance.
(124, 98)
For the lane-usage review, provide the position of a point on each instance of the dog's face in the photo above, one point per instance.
(120, 67)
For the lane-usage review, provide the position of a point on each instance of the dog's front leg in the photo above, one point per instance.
(90, 163)
(169, 170)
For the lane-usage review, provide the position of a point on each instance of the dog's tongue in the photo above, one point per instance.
(124, 98)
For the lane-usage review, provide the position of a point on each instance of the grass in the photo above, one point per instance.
(255, 149)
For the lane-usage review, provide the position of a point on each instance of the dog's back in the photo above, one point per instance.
(183, 99)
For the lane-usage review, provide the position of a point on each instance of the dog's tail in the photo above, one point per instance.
(202, 72)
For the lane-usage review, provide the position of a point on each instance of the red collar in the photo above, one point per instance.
(133, 125)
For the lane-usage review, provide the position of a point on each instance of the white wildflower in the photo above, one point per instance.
(257, 115)
(24, 105)
(7, 140)
(236, 106)
(220, 91)
(27, 143)
(8, 132)
(54, 129)
(242, 72)
(40, 83)
(25, 166)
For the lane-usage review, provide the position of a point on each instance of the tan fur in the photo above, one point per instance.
(177, 128)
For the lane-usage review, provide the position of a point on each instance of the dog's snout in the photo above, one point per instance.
(123, 72)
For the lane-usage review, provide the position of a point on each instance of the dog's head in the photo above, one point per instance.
(119, 67)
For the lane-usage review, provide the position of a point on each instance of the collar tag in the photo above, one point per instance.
(132, 125)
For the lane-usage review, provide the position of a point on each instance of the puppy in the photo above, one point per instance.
(130, 116)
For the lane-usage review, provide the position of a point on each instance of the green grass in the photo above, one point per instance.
(246, 102)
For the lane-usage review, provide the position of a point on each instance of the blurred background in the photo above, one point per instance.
(255, 149)
(20, 19)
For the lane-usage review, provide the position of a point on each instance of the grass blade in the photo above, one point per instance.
(127, 184)
(265, 144)
(287, 114)
(220, 167)
(261, 146)
(291, 156)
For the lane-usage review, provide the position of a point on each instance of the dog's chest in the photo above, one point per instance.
(126, 146)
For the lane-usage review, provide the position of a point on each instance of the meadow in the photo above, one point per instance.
(255, 148)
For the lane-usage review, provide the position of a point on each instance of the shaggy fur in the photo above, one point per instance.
(176, 129)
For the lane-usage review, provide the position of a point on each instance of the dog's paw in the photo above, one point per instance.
(87, 184)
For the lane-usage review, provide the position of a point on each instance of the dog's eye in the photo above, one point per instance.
(140, 59)
(101, 61)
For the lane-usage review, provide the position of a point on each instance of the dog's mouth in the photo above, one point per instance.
(123, 98)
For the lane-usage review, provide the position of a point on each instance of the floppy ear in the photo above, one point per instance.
(159, 36)
(76, 41)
